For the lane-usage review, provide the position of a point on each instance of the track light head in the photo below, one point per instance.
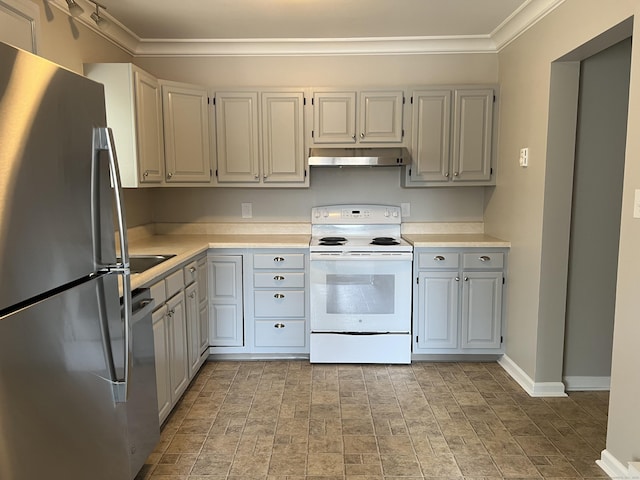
(74, 9)
(95, 16)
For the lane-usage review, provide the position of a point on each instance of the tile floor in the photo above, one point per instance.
(290, 420)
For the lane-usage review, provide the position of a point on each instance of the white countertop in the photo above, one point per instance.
(186, 246)
(459, 240)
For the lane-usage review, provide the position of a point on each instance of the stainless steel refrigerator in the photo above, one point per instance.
(77, 375)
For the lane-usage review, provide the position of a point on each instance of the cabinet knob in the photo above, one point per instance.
(354, 138)
(446, 174)
(169, 175)
(192, 295)
(457, 279)
(455, 174)
(278, 295)
(362, 135)
(278, 259)
(466, 279)
(264, 176)
(278, 277)
(170, 313)
(438, 258)
(192, 270)
(484, 258)
(256, 176)
(146, 173)
(279, 325)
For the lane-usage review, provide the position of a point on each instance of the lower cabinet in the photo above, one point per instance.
(178, 327)
(258, 303)
(458, 300)
(226, 312)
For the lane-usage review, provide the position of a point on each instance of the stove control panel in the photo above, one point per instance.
(356, 214)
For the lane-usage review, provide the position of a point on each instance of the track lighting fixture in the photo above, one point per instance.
(74, 9)
(95, 16)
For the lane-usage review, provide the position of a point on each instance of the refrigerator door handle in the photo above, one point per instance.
(104, 141)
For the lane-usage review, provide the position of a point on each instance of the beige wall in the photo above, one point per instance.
(516, 210)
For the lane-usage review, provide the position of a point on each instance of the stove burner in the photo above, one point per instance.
(332, 241)
(385, 241)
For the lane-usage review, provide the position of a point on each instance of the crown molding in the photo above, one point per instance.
(521, 20)
(315, 47)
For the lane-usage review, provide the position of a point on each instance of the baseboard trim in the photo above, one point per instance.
(576, 383)
(534, 389)
(613, 467)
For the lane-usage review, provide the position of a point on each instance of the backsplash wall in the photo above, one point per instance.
(328, 186)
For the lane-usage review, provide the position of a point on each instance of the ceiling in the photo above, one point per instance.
(312, 26)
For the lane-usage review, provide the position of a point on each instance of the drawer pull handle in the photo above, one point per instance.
(278, 295)
(279, 325)
(484, 258)
(278, 259)
(438, 258)
(278, 277)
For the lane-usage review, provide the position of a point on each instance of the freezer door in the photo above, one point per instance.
(51, 178)
(59, 416)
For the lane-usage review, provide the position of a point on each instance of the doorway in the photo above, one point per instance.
(598, 174)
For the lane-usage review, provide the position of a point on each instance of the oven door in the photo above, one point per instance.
(363, 292)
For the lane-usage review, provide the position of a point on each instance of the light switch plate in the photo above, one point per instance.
(247, 210)
(524, 157)
(406, 209)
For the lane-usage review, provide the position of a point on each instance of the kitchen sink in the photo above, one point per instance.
(141, 263)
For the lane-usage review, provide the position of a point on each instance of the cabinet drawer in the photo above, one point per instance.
(277, 303)
(174, 283)
(438, 260)
(280, 333)
(190, 273)
(158, 293)
(483, 260)
(278, 279)
(278, 260)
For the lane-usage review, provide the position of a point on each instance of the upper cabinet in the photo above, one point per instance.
(260, 139)
(364, 117)
(451, 137)
(134, 113)
(186, 133)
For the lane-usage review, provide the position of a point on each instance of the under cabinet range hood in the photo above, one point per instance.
(359, 157)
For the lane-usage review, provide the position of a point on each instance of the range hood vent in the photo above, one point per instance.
(359, 157)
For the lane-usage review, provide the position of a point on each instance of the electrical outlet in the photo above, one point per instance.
(247, 210)
(524, 157)
(406, 209)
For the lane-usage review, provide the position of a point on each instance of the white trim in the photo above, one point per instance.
(613, 467)
(634, 470)
(534, 389)
(576, 384)
(521, 20)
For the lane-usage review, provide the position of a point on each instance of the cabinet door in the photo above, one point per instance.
(380, 117)
(150, 139)
(472, 132)
(334, 117)
(186, 133)
(481, 310)
(225, 301)
(438, 309)
(430, 136)
(178, 345)
(237, 137)
(283, 137)
(192, 311)
(162, 360)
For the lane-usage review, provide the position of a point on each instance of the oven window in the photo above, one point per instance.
(360, 294)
